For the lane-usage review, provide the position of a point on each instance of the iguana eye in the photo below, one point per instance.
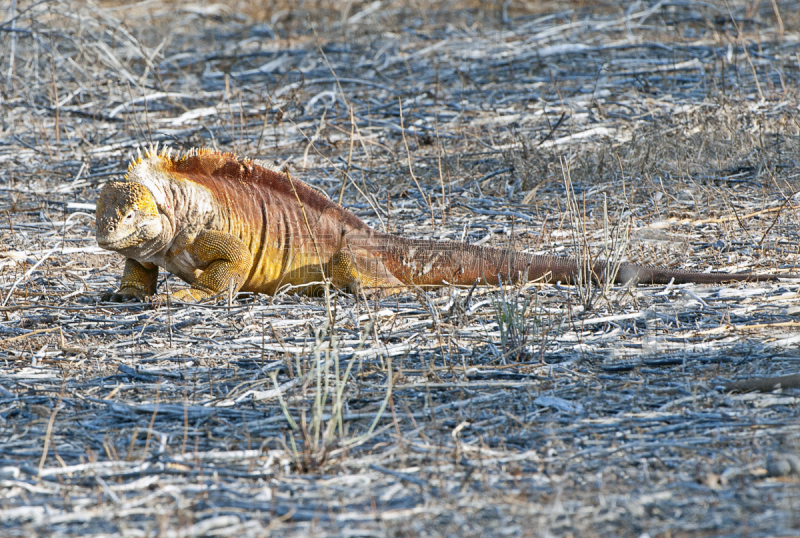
(129, 216)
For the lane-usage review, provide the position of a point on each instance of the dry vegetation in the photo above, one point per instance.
(534, 411)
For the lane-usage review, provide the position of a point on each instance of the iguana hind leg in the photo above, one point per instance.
(356, 270)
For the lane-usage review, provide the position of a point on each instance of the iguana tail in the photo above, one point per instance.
(432, 263)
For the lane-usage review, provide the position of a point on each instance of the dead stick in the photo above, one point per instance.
(49, 431)
(26, 335)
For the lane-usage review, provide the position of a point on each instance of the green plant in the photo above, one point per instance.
(322, 427)
(523, 324)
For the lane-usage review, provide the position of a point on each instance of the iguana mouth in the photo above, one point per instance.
(109, 244)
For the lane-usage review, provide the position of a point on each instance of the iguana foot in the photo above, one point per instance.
(125, 295)
(192, 295)
(186, 295)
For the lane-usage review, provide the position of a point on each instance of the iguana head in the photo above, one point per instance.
(127, 216)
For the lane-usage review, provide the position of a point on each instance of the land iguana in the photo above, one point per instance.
(225, 224)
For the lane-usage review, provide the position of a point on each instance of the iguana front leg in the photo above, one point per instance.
(227, 264)
(139, 280)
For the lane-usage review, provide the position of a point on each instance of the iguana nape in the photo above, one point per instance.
(225, 224)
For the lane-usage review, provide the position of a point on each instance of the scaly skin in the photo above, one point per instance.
(225, 224)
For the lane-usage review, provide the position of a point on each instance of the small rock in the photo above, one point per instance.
(783, 465)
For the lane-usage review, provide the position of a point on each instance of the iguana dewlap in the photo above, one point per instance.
(225, 224)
